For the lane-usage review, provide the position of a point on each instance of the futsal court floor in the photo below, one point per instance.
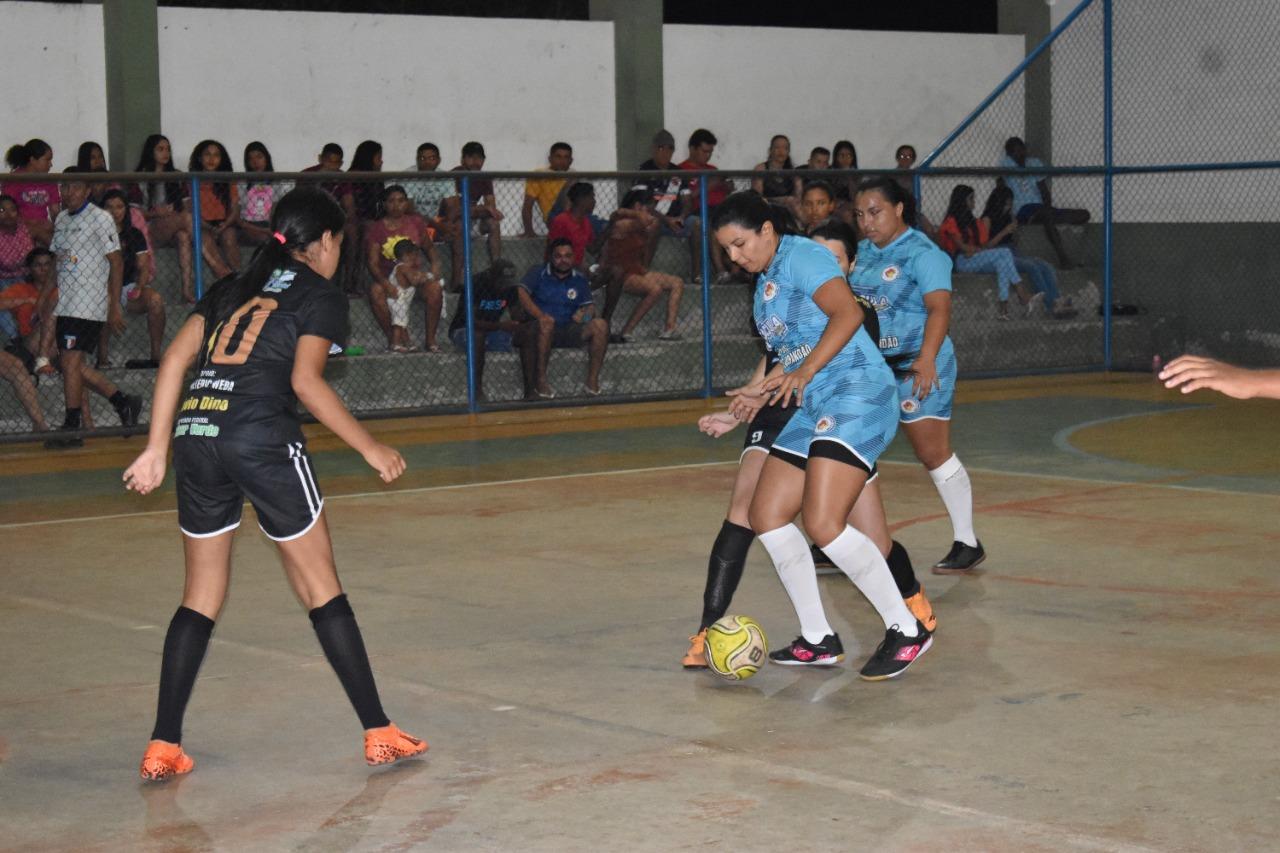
(1107, 681)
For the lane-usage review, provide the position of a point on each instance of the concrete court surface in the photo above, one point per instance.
(1108, 681)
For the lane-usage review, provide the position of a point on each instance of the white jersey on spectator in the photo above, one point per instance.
(81, 242)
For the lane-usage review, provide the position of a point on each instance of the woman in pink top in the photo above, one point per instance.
(38, 203)
(163, 204)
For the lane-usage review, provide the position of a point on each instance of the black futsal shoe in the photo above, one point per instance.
(822, 562)
(961, 559)
(896, 653)
(63, 442)
(801, 652)
(129, 409)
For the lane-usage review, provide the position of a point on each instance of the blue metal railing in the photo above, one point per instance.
(705, 248)
(467, 288)
(197, 239)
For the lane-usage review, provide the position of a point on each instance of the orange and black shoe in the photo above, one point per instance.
(163, 759)
(922, 609)
(387, 745)
(696, 657)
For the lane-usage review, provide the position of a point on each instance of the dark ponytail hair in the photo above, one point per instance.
(958, 208)
(994, 210)
(302, 217)
(748, 209)
(20, 155)
(221, 189)
(84, 155)
(259, 148)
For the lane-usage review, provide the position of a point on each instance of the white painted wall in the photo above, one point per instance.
(55, 90)
(877, 89)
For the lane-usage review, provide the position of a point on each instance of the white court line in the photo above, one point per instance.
(549, 477)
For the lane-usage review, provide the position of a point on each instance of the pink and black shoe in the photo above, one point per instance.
(801, 652)
(896, 653)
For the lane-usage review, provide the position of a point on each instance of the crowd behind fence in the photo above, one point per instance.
(684, 331)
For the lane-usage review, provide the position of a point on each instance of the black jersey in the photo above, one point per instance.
(242, 390)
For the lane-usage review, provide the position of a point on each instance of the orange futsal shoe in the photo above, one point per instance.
(388, 745)
(163, 759)
(696, 657)
(922, 610)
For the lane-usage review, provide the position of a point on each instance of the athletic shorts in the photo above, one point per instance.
(853, 420)
(765, 429)
(568, 334)
(76, 333)
(214, 478)
(938, 404)
(495, 341)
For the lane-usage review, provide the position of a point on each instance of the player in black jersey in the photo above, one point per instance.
(259, 342)
(729, 553)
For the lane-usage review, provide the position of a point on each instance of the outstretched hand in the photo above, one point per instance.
(1192, 372)
(718, 424)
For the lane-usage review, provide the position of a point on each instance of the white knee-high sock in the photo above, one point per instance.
(952, 482)
(860, 559)
(790, 554)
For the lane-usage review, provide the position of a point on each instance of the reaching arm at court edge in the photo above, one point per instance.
(147, 471)
(1193, 372)
(722, 423)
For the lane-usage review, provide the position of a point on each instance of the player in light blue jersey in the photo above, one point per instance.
(831, 370)
(908, 279)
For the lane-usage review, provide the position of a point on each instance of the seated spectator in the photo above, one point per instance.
(38, 203)
(547, 193)
(381, 238)
(33, 341)
(366, 194)
(819, 159)
(258, 197)
(219, 209)
(15, 244)
(89, 277)
(495, 293)
(672, 202)
(90, 158)
(330, 159)
(702, 145)
(136, 296)
(1032, 200)
(576, 224)
(967, 240)
(817, 204)
(905, 160)
(631, 230)
(778, 189)
(845, 157)
(486, 219)
(163, 206)
(17, 306)
(997, 214)
(427, 195)
(558, 298)
(406, 279)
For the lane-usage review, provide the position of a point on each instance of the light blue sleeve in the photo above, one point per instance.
(932, 270)
(812, 266)
(1006, 162)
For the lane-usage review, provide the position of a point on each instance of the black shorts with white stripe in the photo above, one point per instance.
(215, 477)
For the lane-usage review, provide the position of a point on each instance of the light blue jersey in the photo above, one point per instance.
(895, 280)
(1024, 187)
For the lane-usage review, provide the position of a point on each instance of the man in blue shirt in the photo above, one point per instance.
(1032, 201)
(558, 298)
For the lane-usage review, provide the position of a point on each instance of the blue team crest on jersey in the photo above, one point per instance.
(891, 272)
(279, 281)
(824, 424)
(770, 290)
(772, 328)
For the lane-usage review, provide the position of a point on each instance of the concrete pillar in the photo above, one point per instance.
(1031, 19)
(637, 57)
(132, 45)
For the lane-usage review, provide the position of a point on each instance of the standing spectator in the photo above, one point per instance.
(15, 244)
(495, 293)
(426, 194)
(406, 280)
(485, 217)
(219, 209)
(1032, 200)
(966, 239)
(547, 193)
(136, 296)
(558, 298)
(577, 224)
(997, 214)
(38, 203)
(89, 279)
(672, 202)
(162, 203)
(257, 197)
(778, 189)
(817, 204)
(630, 231)
(702, 145)
(399, 224)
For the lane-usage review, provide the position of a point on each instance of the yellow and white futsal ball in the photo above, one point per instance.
(736, 647)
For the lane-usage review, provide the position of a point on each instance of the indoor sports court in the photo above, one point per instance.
(526, 589)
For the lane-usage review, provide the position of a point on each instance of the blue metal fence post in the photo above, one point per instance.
(197, 255)
(1107, 181)
(472, 403)
(705, 248)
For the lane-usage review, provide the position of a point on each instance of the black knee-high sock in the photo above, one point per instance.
(184, 646)
(340, 638)
(724, 570)
(903, 574)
